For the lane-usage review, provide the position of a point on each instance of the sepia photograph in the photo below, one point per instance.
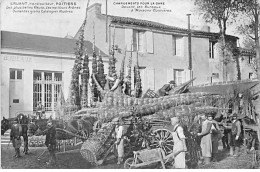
(130, 84)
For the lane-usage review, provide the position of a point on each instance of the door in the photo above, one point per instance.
(16, 92)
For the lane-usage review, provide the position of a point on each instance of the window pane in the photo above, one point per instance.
(174, 45)
(47, 76)
(135, 37)
(19, 74)
(12, 74)
(140, 41)
(37, 76)
(58, 77)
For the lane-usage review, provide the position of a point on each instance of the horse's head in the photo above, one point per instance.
(5, 125)
(22, 119)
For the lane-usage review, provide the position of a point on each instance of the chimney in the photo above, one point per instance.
(95, 7)
(205, 28)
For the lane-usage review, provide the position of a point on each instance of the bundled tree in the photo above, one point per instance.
(112, 62)
(128, 77)
(101, 73)
(74, 96)
(85, 68)
(94, 70)
(137, 80)
(84, 81)
(220, 12)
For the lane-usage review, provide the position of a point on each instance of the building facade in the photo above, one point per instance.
(162, 51)
(35, 68)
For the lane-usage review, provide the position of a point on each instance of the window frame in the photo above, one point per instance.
(15, 74)
(46, 88)
(211, 50)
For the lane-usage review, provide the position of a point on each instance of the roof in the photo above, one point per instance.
(147, 23)
(42, 43)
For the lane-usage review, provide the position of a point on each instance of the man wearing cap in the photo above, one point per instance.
(179, 143)
(236, 138)
(206, 143)
(119, 140)
(166, 88)
(50, 141)
(15, 137)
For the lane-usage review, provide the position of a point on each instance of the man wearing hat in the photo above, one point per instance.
(15, 137)
(236, 138)
(166, 88)
(179, 143)
(206, 142)
(50, 141)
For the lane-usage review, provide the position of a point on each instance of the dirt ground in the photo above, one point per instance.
(74, 160)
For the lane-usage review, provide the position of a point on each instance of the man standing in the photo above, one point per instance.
(15, 137)
(50, 141)
(206, 143)
(119, 140)
(179, 144)
(215, 136)
(236, 137)
(166, 88)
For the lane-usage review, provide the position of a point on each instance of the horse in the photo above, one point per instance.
(23, 121)
(65, 129)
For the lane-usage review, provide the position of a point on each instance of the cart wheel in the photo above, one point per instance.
(128, 163)
(127, 148)
(96, 126)
(163, 139)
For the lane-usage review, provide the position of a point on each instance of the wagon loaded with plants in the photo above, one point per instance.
(153, 116)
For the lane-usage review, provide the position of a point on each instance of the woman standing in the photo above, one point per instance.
(206, 143)
(179, 144)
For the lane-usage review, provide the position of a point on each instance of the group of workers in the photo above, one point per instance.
(210, 135)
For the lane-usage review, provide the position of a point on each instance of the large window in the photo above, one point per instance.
(139, 40)
(177, 45)
(46, 87)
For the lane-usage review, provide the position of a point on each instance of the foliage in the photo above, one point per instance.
(101, 76)
(94, 71)
(85, 80)
(221, 12)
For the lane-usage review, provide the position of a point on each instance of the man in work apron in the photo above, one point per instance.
(179, 144)
(119, 140)
(206, 143)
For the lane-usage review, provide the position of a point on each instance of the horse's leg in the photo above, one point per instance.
(25, 138)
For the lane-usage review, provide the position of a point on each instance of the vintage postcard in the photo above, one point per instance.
(129, 84)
